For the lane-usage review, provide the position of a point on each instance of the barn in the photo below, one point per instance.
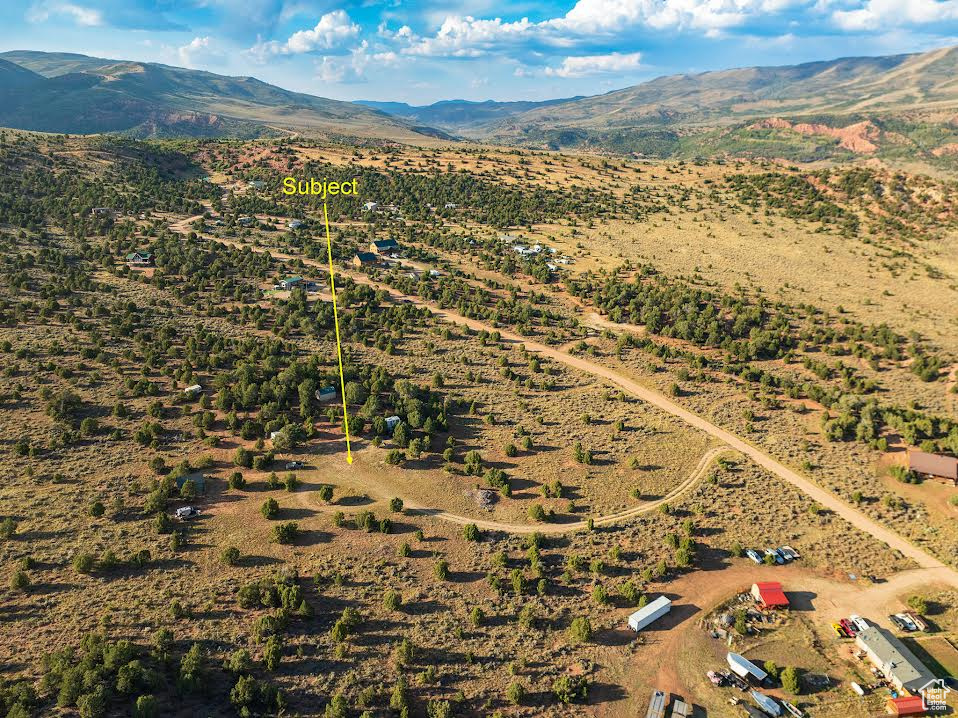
(769, 594)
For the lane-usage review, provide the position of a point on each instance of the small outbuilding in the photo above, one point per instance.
(392, 422)
(744, 668)
(906, 706)
(650, 613)
(935, 465)
(769, 594)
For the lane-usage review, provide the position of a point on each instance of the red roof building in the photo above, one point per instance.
(906, 706)
(769, 594)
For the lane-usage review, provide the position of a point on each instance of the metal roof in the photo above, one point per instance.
(934, 464)
(742, 666)
(897, 662)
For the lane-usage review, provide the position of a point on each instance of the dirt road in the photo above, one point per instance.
(414, 507)
(632, 387)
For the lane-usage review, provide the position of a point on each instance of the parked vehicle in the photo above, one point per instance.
(290, 465)
(186, 512)
(839, 630)
(754, 555)
(793, 709)
(716, 678)
(786, 556)
(775, 555)
(920, 623)
(795, 554)
(860, 623)
(849, 628)
(904, 622)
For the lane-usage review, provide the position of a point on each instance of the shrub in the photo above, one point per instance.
(20, 581)
(580, 630)
(471, 532)
(270, 508)
(516, 693)
(442, 569)
(791, 680)
(286, 532)
(570, 689)
(230, 556)
(395, 505)
(83, 563)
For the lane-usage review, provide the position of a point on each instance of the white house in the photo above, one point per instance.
(296, 224)
(392, 422)
(370, 206)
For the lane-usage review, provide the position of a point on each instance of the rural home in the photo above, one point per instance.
(290, 282)
(370, 206)
(257, 184)
(893, 659)
(392, 422)
(383, 246)
(296, 224)
(365, 259)
(325, 393)
(245, 221)
(769, 594)
(941, 467)
(193, 390)
(139, 259)
(101, 211)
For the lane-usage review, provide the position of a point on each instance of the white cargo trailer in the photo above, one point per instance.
(652, 612)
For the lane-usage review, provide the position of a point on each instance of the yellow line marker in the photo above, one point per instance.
(339, 346)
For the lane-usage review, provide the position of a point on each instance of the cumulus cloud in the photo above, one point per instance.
(352, 68)
(333, 30)
(468, 37)
(614, 62)
(200, 50)
(43, 11)
(880, 14)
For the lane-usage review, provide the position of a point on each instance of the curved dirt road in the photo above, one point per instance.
(826, 499)
(645, 508)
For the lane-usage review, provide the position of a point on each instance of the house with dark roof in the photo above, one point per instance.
(383, 246)
(365, 259)
(139, 258)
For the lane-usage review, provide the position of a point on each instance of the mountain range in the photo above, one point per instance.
(905, 105)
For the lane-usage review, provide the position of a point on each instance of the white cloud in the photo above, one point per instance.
(199, 50)
(879, 14)
(43, 11)
(352, 68)
(597, 65)
(468, 37)
(333, 30)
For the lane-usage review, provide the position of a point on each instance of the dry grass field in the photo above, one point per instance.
(450, 569)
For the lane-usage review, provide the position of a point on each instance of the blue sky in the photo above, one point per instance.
(429, 50)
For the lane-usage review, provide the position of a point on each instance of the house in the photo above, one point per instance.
(906, 706)
(245, 221)
(744, 668)
(451, 205)
(383, 246)
(769, 594)
(650, 613)
(296, 224)
(102, 211)
(193, 390)
(890, 656)
(290, 283)
(257, 184)
(392, 422)
(936, 465)
(370, 206)
(139, 259)
(325, 393)
(364, 259)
